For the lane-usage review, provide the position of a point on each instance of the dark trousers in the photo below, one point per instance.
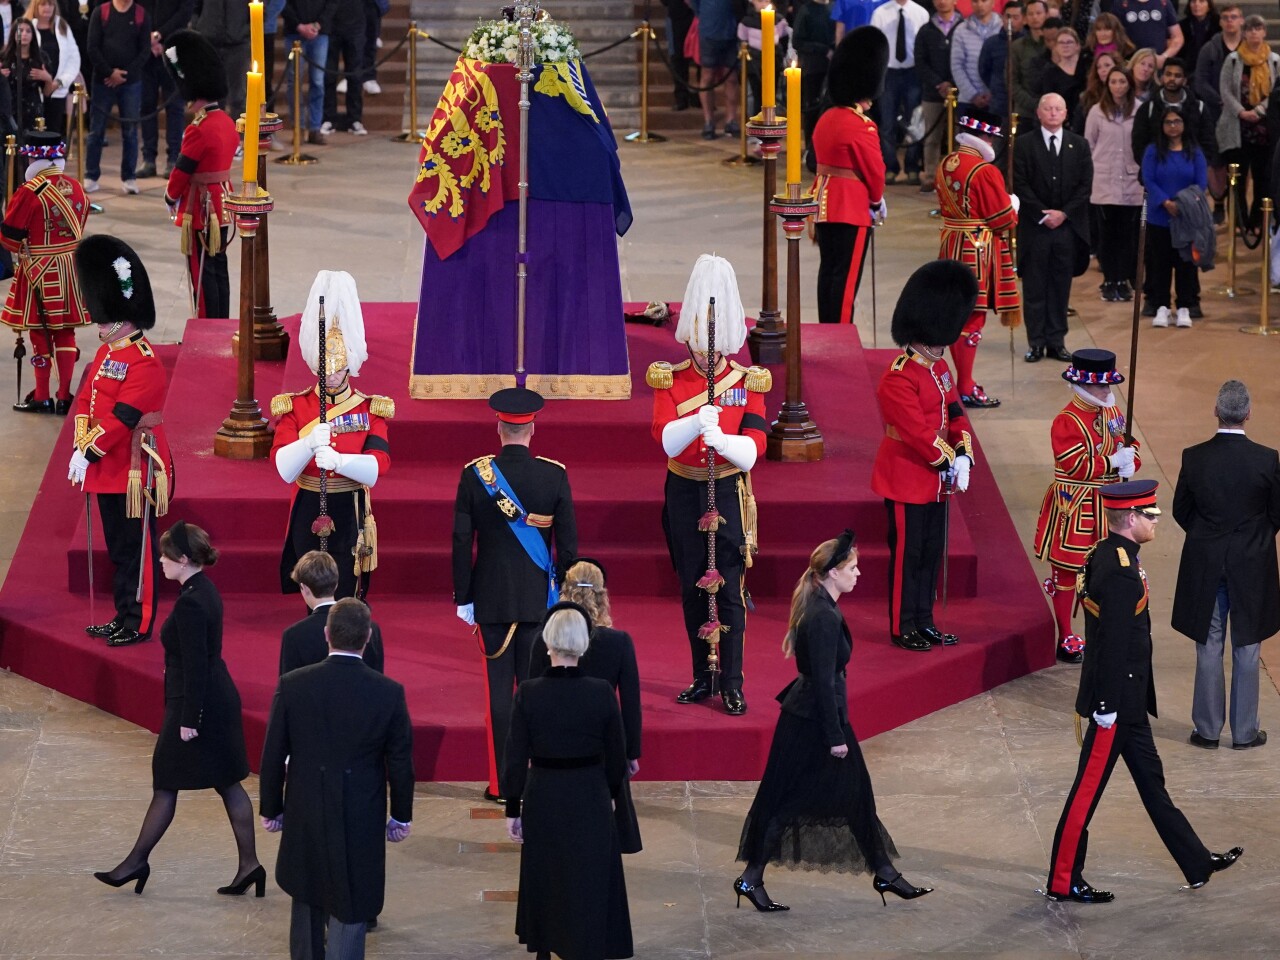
(1134, 742)
(126, 540)
(209, 278)
(842, 249)
(916, 535)
(372, 30)
(347, 511)
(158, 87)
(307, 935)
(677, 30)
(127, 98)
(1254, 160)
(1046, 265)
(1164, 261)
(686, 501)
(901, 96)
(1117, 238)
(506, 666)
(349, 44)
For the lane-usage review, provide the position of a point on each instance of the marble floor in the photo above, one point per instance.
(971, 793)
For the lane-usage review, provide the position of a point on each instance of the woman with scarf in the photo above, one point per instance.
(1248, 77)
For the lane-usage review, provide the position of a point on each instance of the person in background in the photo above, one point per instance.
(1208, 73)
(374, 11)
(933, 64)
(1094, 87)
(718, 58)
(1173, 92)
(29, 72)
(63, 58)
(849, 15)
(749, 32)
(1171, 164)
(993, 63)
(346, 41)
(1248, 76)
(307, 21)
(225, 24)
(1117, 192)
(813, 38)
(1199, 26)
(1028, 55)
(899, 21)
(159, 91)
(272, 10)
(679, 20)
(1068, 70)
(966, 48)
(119, 45)
(1106, 35)
(303, 643)
(1142, 68)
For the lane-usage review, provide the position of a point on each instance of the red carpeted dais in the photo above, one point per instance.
(616, 470)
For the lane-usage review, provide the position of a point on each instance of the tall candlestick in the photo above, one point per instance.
(768, 69)
(255, 96)
(794, 148)
(257, 52)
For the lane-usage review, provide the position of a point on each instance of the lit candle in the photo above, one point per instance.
(793, 122)
(255, 96)
(768, 69)
(257, 53)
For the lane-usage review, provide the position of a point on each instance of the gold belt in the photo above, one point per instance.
(337, 484)
(723, 469)
(51, 249)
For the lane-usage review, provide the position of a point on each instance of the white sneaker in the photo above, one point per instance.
(1184, 318)
(358, 129)
(1161, 319)
(342, 85)
(90, 186)
(326, 129)
(131, 186)
(372, 87)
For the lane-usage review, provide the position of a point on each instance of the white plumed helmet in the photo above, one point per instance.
(712, 277)
(344, 324)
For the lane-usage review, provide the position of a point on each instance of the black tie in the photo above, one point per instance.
(900, 50)
(1053, 144)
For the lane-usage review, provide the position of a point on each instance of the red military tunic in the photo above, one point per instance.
(739, 394)
(977, 216)
(1071, 518)
(925, 429)
(358, 424)
(201, 176)
(48, 213)
(846, 145)
(128, 385)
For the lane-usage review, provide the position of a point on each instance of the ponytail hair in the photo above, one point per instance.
(827, 555)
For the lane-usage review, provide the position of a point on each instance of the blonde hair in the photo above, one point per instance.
(584, 585)
(807, 586)
(565, 633)
(55, 20)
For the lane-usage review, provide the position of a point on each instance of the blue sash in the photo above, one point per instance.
(530, 538)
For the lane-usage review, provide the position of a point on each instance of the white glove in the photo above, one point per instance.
(1104, 720)
(1122, 459)
(292, 459)
(328, 458)
(961, 468)
(360, 467)
(1126, 472)
(714, 438)
(880, 211)
(1015, 202)
(678, 434)
(740, 451)
(708, 415)
(467, 614)
(321, 435)
(77, 467)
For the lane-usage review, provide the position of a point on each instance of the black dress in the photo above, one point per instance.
(814, 810)
(198, 693)
(565, 761)
(611, 657)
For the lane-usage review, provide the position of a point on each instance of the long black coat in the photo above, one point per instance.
(303, 643)
(1228, 502)
(504, 584)
(1033, 183)
(823, 646)
(344, 729)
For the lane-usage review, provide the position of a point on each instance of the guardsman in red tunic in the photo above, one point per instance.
(42, 225)
(978, 216)
(927, 450)
(350, 447)
(850, 182)
(200, 178)
(121, 454)
(688, 427)
(1088, 452)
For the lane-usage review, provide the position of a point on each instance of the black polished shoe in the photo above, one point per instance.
(899, 887)
(912, 641)
(978, 398)
(1059, 353)
(103, 629)
(1034, 355)
(62, 406)
(124, 637)
(1082, 893)
(1217, 863)
(493, 797)
(1203, 743)
(1257, 741)
(1069, 656)
(29, 404)
(696, 692)
(757, 896)
(147, 170)
(937, 637)
(734, 703)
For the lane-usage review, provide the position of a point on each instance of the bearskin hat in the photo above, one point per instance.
(857, 67)
(934, 304)
(195, 64)
(113, 282)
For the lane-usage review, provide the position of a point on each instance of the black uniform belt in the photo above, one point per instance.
(566, 763)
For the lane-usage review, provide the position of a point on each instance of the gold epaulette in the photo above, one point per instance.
(758, 379)
(556, 462)
(282, 403)
(1123, 556)
(381, 406)
(899, 362)
(658, 376)
(199, 117)
(487, 456)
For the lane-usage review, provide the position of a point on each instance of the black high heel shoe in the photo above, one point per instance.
(744, 889)
(257, 877)
(141, 874)
(898, 886)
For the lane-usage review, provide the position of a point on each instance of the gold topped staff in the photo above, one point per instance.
(526, 12)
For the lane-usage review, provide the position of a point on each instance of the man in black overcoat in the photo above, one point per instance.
(514, 535)
(1117, 691)
(303, 643)
(1228, 502)
(1053, 178)
(344, 730)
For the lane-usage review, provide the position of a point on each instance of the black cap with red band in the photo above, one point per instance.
(1137, 495)
(516, 404)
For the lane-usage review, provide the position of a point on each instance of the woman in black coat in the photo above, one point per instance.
(565, 762)
(201, 743)
(815, 807)
(611, 657)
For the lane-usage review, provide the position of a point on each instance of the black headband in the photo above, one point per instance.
(604, 577)
(568, 605)
(178, 537)
(844, 546)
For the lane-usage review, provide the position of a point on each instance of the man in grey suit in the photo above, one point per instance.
(1228, 502)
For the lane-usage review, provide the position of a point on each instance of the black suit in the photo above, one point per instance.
(304, 644)
(1117, 678)
(1049, 258)
(345, 732)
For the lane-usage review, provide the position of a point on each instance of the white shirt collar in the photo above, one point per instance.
(1239, 430)
(346, 653)
(1046, 133)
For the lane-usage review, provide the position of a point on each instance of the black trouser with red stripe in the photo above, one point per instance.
(126, 540)
(1134, 742)
(503, 673)
(917, 532)
(209, 278)
(843, 250)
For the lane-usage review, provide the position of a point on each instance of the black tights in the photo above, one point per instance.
(753, 875)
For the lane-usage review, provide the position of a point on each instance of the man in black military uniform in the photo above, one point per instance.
(510, 507)
(1117, 691)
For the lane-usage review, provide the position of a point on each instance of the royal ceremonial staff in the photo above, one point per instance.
(322, 526)
(147, 441)
(88, 535)
(1138, 279)
(710, 522)
(19, 353)
(526, 12)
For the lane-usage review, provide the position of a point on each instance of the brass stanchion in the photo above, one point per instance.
(11, 156)
(646, 34)
(953, 100)
(1229, 289)
(297, 158)
(413, 134)
(1264, 328)
(80, 98)
(743, 159)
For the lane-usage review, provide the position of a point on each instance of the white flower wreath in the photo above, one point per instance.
(498, 41)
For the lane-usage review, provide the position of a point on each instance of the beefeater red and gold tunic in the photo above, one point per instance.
(48, 214)
(977, 216)
(1071, 519)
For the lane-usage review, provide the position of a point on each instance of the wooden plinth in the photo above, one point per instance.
(243, 435)
(794, 437)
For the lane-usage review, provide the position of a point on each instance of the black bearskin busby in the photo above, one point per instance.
(857, 67)
(196, 65)
(113, 282)
(935, 302)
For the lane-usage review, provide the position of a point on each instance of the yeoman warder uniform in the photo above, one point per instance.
(515, 511)
(1117, 691)
(1088, 452)
(927, 448)
(689, 429)
(42, 225)
(121, 455)
(350, 448)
